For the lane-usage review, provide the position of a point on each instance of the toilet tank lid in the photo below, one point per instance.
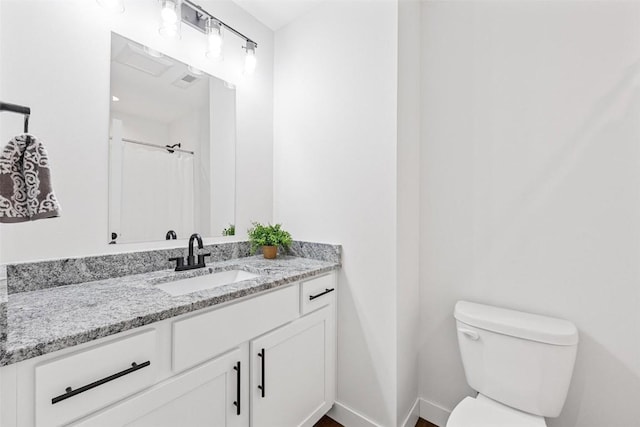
(518, 324)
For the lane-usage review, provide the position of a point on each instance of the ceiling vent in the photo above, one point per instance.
(135, 57)
(186, 80)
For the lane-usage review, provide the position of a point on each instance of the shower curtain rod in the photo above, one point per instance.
(169, 148)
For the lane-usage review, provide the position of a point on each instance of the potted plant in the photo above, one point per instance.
(231, 231)
(268, 237)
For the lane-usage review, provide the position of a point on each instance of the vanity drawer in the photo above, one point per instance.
(317, 292)
(204, 336)
(97, 376)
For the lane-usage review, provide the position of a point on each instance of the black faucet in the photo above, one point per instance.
(191, 259)
(171, 235)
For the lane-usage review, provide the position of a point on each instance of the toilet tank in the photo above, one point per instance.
(522, 360)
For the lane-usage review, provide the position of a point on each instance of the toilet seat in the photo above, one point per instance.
(484, 412)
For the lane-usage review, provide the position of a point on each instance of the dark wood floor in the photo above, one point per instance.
(328, 422)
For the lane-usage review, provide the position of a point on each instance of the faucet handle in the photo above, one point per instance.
(179, 262)
(201, 258)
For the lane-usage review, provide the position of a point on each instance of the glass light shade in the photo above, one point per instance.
(250, 61)
(169, 16)
(169, 30)
(214, 39)
(169, 11)
(116, 6)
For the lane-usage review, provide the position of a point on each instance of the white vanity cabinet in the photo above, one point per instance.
(204, 369)
(80, 383)
(208, 395)
(293, 372)
(202, 336)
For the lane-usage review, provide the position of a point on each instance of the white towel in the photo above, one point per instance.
(26, 192)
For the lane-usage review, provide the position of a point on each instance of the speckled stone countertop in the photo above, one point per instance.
(46, 320)
(3, 314)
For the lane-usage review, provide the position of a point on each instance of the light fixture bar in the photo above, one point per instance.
(196, 17)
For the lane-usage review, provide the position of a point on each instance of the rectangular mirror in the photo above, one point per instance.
(172, 135)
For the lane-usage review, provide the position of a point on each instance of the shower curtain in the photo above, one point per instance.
(157, 194)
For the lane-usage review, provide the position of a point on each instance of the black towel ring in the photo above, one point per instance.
(20, 109)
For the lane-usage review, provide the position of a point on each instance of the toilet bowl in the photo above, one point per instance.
(519, 363)
(484, 412)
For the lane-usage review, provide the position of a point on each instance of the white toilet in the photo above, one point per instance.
(519, 363)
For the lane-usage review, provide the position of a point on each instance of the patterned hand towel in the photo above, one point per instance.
(26, 193)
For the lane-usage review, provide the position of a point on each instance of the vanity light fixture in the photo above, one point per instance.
(174, 12)
(116, 6)
(198, 18)
(214, 38)
(169, 18)
(250, 57)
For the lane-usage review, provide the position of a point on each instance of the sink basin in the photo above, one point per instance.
(207, 281)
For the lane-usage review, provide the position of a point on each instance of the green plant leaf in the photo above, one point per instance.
(268, 235)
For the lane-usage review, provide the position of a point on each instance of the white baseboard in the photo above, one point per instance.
(350, 418)
(412, 416)
(434, 413)
(421, 409)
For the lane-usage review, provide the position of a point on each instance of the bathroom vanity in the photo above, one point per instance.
(122, 351)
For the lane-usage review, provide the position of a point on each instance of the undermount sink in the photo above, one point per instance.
(207, 281)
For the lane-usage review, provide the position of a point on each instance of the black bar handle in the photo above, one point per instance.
(261, 386)
(69, 392)
(237, 402)
(326, 291)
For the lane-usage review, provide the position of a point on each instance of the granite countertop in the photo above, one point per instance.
(46, 320)
(3, 291)
(3, 314)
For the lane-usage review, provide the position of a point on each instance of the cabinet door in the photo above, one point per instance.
(206, 396)
(293, 372)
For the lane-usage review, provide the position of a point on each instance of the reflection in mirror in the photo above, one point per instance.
(171, 148)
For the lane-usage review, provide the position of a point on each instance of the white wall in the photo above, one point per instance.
(408, 205)
(335, 177)
(530, 186)
(55, 58)
(2, 271)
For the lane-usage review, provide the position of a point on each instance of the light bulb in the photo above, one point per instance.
(169, 30)
(116, 6)
(170, 22)
(250, 63)
(250, 60)
(168, 13)
(214, 38)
